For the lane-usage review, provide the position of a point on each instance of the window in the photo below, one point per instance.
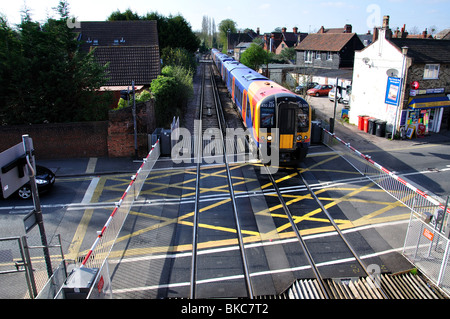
(308, 56)
(431, 71)
(317, 55)
(330, 55)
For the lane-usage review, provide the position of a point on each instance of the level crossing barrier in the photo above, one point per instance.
(91, 279)
(428, 217)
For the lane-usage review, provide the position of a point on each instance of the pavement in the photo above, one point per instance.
(363, 141)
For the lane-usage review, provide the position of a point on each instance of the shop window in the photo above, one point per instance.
(431, 71)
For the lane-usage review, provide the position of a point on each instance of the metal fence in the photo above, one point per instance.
(427, 212)
(95, 263)
(428, 249)
(23, 269)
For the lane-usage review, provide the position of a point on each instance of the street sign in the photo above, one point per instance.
(30, 221)
(13, 169)
(428, 234)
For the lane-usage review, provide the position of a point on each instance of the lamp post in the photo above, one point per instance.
(400, 99)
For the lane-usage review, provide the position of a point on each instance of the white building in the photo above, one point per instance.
(373, 65)
(420, 62)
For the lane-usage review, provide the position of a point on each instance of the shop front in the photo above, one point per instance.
(424, 114)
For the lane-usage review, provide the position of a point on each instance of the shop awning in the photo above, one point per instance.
(428, 102)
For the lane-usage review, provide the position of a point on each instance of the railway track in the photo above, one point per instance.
(212, 122)
(236, 229)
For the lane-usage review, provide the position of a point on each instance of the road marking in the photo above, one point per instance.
(261, 273)
(90, 191)
(90, 169)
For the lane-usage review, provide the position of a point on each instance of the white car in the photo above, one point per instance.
(342, 95)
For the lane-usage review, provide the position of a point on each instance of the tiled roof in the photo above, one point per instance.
(425, 50)
(117, 33)
(333, 42)
(127, 63)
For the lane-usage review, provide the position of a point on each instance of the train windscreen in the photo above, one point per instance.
(268, 117)
(303, 118)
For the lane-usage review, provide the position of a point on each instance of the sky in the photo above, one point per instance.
(307, 16)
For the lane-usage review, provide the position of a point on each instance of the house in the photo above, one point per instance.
(275, 42)
(240, 48)
(130, 48)
(328, 50)
(403, 81)
(234, 39)
(346, 29)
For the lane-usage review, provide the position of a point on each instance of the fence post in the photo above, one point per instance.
(443, 265)
(28, 267)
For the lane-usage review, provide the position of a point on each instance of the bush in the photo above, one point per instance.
(163, 90)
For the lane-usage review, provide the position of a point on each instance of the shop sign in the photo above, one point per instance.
(426, 91)
(392, 91)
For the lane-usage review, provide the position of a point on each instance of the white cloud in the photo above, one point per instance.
(264, 6)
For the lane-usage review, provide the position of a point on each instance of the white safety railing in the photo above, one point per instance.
(427, 213)
(96, 258)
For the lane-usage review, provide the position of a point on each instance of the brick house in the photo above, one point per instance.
(276, 41)
(328, 50)
(130, 47)
(423, 98)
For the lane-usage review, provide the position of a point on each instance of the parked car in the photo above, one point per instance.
(45, 179)
(342, 95)
(302, 88)
(321, 89)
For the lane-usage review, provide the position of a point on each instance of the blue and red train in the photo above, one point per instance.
(264, 104)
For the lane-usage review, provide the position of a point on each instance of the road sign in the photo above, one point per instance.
(13, 169)
(428, 234)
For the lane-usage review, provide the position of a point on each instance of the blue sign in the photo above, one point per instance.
(392, 91)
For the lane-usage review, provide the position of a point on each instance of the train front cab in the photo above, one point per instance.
(291, 114)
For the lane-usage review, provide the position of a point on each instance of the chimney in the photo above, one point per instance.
(386, 22)
(348, 28)
(295, 29)
(375, 34)
(283, 30)
(424, 34)
(403, 33)
(257, 30)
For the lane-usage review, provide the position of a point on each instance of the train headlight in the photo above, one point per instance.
(299, 137)
(269, 138)
(306, 137)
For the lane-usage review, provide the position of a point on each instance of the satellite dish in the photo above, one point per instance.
(392, 72)
(366, 60)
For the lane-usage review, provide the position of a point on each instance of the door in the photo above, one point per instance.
(287, 114)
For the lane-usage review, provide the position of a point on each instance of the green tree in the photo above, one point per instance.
(48, 79)
(179, 57)
(173, 31)
(226, 27)
(255, 56)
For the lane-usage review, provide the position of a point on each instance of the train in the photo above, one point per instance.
(264, 105)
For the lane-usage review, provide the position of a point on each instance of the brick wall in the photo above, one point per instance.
(113, 138)
(62, 140)
(121, 130)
